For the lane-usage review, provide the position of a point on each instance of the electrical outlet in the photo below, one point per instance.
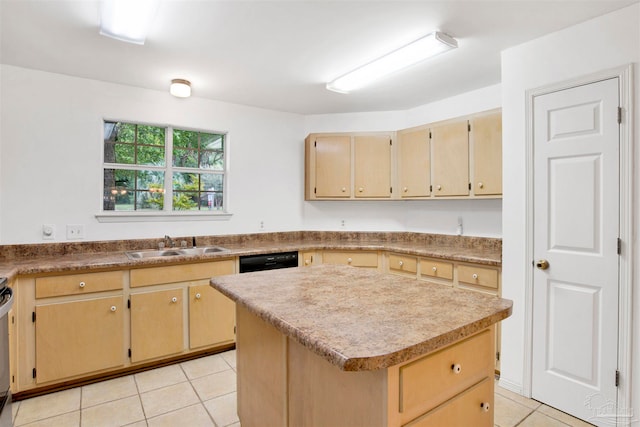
(342, 224)
(75, 231)
(48, 231)
(261, 225)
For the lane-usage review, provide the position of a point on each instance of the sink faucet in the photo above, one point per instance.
(168, 241)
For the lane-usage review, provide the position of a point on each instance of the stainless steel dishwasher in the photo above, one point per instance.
(6, 302)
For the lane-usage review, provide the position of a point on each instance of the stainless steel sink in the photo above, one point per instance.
(152, 253)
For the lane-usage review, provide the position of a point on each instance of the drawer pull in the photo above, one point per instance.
(456, 368)
(113, 308)
(344, 189)
(438, 187)
(485, 406)
(197, 296)
(360, 190)
(307, 261)
(435, 268)
(400, 263)
(174, 299)
(349, 260)
(405, 189)
(82, 284)
(475, 276)
(480, 185)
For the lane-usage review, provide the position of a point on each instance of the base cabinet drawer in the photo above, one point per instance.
(355, 259)
(480, 276)
(436, 269)
(451, 371)
(473, 407)
(403, 264)
(78, 284)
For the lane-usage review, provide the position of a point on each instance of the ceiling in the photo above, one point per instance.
(279, 54)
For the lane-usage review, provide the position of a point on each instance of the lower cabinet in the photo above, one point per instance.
(368, 259)
(81, 337)
(156, 324)
(211, 317)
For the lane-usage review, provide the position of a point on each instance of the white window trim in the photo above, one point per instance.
(168, 169)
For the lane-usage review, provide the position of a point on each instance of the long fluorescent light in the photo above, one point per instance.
(419, 50)
(127, 20)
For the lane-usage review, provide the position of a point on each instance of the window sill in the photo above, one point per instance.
(161, 216)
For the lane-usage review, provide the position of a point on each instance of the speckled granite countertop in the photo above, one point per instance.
(361, 319)
(100, 255)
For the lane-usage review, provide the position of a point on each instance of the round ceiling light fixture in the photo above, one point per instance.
(180, 88)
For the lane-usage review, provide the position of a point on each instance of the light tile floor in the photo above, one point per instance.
(202, 392)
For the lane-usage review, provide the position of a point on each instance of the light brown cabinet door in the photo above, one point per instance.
(156, 324)
(80, 337)
(352, 258)
(372, 169)
(211, 317)
(414, 167)
(333, 166)
(450, 161)
(486, 132)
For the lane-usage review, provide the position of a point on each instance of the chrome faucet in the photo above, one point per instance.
(168, 241)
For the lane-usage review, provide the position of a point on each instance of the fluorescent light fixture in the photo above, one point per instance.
(180, 88)
(127, 20)
(419, 50)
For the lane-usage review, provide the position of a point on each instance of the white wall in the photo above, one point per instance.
(603, 43)
(480, 217)
(50, 169)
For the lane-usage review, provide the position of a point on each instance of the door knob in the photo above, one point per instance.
(542, 264)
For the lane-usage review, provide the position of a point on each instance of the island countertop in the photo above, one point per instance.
(361, 319)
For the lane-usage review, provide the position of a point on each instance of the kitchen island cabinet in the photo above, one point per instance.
(342, 346)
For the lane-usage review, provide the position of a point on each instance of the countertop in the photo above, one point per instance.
(361, 319)
(68, 258)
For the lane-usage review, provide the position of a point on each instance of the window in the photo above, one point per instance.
(152, 168)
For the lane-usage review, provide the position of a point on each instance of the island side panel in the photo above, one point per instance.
(320, 394)
(261, 372)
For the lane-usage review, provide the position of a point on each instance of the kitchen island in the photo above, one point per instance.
(335, 345)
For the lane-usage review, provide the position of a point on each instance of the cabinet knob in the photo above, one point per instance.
(485, 406)
(400, 263)
(349, 260)
(82, 284)
(405, 189)
(435, 268)
(480, 185)
(344, 189)
(456, 368)
(438, 187)
(197, 296)
(360, 189)
(307, 261)
(113, 308)
(475, 276)
(174, 299)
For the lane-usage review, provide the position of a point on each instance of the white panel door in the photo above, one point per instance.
(576, 216)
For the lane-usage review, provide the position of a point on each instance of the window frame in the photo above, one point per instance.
(167, 213)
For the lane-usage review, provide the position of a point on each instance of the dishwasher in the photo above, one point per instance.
(272, 261)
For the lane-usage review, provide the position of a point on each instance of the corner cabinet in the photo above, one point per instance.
(454, 159)
(348, 166)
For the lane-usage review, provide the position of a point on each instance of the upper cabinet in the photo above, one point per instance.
(486, 139)
(453, 159)
(348, 166)
(414, 165)
(372, 167)
(450, 145)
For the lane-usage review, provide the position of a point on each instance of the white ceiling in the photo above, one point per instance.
(279, 54)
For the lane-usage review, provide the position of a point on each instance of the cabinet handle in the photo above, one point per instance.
(349, 260)
(480, 185)
(438, 187)
(475, 276)
(113, 308)
(344, 189)
(197, 296)
(82, 284)
(360, 189)
(435, 268)
(174, 299)
(456, 368)
(400, 263)
(485, 406)
(405, 189)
